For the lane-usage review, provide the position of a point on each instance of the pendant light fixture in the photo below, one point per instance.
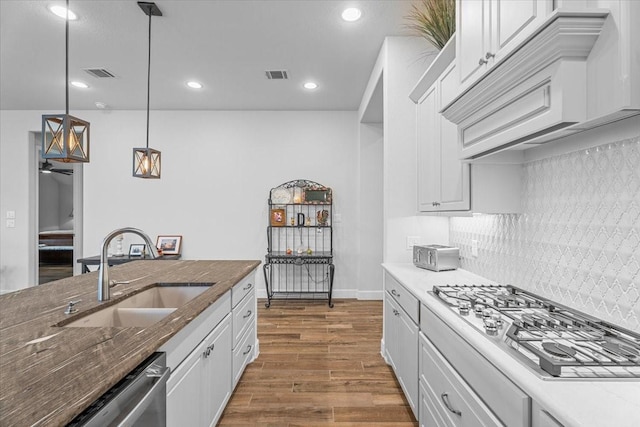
(146, 161)
(65, 138)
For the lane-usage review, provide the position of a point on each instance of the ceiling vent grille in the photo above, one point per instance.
(100, 73)
(277, 74)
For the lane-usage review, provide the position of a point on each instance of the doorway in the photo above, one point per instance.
(56, 201)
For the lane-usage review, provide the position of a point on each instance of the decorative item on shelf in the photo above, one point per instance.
(118, 251)
(65, 138)
(292, 221)
(300, 250)
(309, 251)
(307, 222)
(317, 195)
(169, 245)
(289, 251)
(300, 219)
(435, 20)
(297, 195)
(322, 217)
(136, 250)
(281, 196)
(277, 217)
(146, 161)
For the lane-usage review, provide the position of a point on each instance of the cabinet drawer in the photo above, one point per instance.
(242, 288)
(506, 400)
(243, 354)
(430, 416)
(243, 315)
(453, 399)
(403, 297)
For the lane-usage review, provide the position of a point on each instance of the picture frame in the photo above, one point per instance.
(278, 218)
(317, 196)
(137, 249)
(169, 244)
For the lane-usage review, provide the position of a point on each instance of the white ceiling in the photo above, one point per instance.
(226, 45)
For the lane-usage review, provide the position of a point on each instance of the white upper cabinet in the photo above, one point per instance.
(488, 30)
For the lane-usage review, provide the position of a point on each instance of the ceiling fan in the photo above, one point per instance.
(47, 167)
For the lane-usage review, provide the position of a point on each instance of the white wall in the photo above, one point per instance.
(217, 169)
(405, 62)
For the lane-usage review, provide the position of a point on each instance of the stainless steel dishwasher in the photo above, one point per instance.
(139, 399)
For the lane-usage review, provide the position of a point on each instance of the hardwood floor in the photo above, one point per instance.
(319, 367)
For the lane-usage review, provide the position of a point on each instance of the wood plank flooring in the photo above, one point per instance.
(319, 367)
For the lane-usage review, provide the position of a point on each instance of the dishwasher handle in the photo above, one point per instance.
(145, 401)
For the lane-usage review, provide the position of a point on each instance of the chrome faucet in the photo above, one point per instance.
(103, 276)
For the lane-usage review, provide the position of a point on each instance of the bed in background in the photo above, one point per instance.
(56, 247)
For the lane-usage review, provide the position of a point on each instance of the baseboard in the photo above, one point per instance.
(341, 294)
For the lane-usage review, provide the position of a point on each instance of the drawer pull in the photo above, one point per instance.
(396, 312)
(248, 350)
(247, 315)
(394, 293)
(445, 400)
(249, 286)
(482, 61)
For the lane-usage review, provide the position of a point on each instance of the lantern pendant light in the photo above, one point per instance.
(65, 138)
(146, 161)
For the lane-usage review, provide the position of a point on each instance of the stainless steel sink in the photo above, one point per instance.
(142, 309)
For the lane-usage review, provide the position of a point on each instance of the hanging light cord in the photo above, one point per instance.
(148, 77)
(66, 51)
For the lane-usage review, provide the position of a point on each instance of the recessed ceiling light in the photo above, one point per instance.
(310, 85)
(61, 11)
(194, 85)
(81, 85)
(351, 14)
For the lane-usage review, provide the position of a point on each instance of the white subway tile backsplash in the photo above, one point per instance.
(578, 238)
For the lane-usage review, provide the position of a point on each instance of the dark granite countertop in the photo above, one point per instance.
(49, 374)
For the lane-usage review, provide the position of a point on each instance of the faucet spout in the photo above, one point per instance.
(103, 275)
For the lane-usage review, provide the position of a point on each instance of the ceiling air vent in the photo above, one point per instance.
(100, 73)
(277, 74)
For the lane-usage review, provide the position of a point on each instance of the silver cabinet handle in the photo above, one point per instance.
(249, 286)
(248, 350)
(482, 61)
(445, 400)
(208, 351)
(394, 293)
(247, 315)
(489, 55)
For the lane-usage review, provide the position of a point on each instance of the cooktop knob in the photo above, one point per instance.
(478, 309)
(490, 327)
(464, 307)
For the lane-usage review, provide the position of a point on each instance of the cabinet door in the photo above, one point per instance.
(217, 371)
(428, 141)
(512, 21)
(390, 331)
(185, 393)
(407, 369)
(472, 38)
(454, 174)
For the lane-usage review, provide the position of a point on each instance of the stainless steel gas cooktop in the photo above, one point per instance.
(552, 340)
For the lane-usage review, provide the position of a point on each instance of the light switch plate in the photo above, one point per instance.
(11, 214)
(11, 223)
(412, 241)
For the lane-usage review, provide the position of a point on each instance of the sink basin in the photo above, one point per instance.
(142, 309)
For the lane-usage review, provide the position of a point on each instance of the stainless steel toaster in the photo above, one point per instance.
(436, 257)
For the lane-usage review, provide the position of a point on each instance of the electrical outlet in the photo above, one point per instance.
(412, 241)
(11, 214)
(474, 248)
(11, 223)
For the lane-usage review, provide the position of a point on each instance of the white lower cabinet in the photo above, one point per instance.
(200, 387)
(401, 338)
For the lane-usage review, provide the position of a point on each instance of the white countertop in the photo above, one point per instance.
(579, 403)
